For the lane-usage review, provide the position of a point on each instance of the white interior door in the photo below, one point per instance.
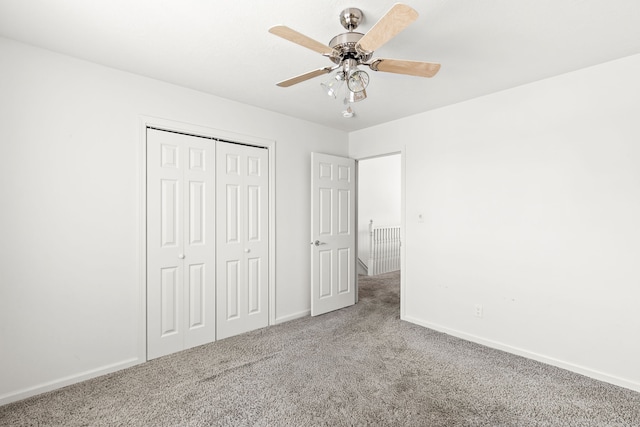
(243, 239)
(180, 242)
(332, 233)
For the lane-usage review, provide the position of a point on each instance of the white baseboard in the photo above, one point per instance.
(293, 316)
(65, 381)
(601, 376)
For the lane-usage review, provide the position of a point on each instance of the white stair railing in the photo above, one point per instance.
(384, 249)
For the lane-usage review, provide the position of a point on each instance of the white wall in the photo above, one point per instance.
(379, 191)
(70, 289)
(531, 199)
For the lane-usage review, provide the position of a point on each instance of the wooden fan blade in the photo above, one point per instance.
(306, 76)
(412, 68)
(395, 20)
(299, 38)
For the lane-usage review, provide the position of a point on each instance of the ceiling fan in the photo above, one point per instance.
(352, 49)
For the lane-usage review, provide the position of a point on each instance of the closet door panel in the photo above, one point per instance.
(242, 184)
(257, 239)
(199, 242)
(164, 235)
(180, 242)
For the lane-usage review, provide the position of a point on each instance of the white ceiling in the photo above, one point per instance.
(222, 47)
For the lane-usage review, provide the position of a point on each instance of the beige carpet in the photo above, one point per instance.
(357, 366)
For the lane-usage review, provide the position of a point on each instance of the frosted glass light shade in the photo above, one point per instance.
(332, 86)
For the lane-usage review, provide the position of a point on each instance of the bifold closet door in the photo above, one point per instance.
(180, 242)
(242, 191)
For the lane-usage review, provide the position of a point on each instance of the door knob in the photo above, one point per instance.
(181, 256)
(247, 250)
(318, 243)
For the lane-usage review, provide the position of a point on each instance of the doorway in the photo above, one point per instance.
(332, 216)
(380, 216)
(379, 210)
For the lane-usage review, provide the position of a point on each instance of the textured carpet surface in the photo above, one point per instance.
(356, 366)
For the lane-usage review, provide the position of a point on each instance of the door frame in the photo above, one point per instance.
(206, 132)
(403, 217)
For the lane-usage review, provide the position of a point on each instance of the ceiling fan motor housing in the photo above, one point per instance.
(345, 44)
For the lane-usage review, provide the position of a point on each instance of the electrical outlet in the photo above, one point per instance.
(478, 310)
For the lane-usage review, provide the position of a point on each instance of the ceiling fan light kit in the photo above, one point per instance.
(352, 49)
(353, 91)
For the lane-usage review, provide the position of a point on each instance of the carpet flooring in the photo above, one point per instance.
(352, 367)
